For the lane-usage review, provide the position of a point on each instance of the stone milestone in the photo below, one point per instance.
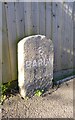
(35, 64)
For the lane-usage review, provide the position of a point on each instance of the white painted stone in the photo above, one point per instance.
(35, 64)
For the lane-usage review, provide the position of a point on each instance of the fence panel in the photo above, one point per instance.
(12, 36)
(48, 20)
(6, 68)
(42, 17)
(51, 19)
(28, 18)
(63, 35)
(35, 17)
(19, 13)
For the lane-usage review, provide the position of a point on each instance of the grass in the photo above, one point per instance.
(5, 89)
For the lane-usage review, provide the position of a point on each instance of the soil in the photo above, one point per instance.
(55, 103)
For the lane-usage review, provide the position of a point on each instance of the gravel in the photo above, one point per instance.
(55, 103)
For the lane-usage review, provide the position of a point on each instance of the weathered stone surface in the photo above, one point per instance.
(35, 64)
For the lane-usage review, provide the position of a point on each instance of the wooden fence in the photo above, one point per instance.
(19, 19)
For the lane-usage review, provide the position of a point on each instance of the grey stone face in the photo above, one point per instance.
(35, 64)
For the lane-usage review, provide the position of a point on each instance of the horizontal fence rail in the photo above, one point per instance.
(21, 19)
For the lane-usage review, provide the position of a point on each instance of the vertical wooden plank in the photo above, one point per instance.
(63, 40)
(6, 68)
(63, 49)
(59, 20)
(1, 43)
(35, 17)
(55, 35)
(42, 17)
(48, 20)
(70, 11)
(11, 26)
(28, 18)
(74, 35)
(19, 12)
(67, 38)
(70, 34)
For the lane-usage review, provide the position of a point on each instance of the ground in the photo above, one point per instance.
(55, 103)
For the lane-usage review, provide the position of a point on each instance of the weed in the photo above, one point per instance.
(3, 90)
(39, 92)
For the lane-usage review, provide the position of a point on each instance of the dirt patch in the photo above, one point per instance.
(55, 103)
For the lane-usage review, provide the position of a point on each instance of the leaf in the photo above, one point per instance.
(38, 92)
